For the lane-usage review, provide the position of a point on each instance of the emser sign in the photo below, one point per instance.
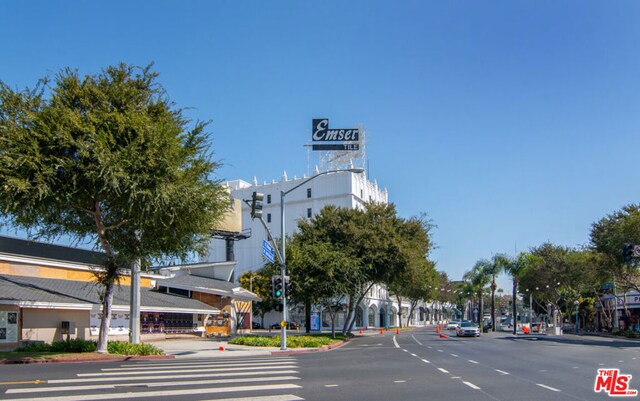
(322, 133)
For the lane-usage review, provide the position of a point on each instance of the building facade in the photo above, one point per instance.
(344, 189)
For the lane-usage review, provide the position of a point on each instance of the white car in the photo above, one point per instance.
(452, 325)
(468, 329)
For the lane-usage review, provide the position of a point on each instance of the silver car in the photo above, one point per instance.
(467, 329)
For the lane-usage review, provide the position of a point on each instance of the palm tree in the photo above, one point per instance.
(480, 279)
(492, 269)
(515, 267)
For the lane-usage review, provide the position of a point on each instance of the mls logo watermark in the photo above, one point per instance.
(614, 383)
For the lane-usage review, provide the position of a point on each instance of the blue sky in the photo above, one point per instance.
(509, 123)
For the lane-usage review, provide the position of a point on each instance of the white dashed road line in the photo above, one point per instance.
(502, 372)
(400, 381)
(331, 385)
(472, 361)
(454, 355)
(395, 342)
(473, 386)
(425, 361)
(547, 387)
(443, 371)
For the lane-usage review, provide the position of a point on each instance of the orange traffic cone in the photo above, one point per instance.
(381, 331)
(443, 335)
(221, 348)
(437, 329)
(397, 331)
(360, 330)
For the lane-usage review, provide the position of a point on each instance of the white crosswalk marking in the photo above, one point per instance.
(201, 379)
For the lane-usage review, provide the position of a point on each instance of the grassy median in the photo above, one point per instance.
(293, 341)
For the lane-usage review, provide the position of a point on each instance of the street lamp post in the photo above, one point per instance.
(283, 240)
(577, 305)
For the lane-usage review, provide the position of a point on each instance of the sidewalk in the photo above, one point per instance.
(208, 348)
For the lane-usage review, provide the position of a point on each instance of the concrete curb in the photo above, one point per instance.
(95, 359)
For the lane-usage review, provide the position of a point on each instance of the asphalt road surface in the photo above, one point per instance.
(415, 365)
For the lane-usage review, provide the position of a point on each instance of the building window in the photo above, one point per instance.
(308, 192)
(179, 291)
(268, 217)
(309, 212)
(268, 198)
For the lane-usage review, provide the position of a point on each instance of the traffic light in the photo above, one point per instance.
(276, 286)
(287, 286)
(256, 205)
(627, 253)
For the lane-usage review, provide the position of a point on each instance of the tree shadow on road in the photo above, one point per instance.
(576, 340)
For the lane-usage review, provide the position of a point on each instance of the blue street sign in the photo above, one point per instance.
(267, 251)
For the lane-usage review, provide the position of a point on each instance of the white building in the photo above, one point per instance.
(343, 189)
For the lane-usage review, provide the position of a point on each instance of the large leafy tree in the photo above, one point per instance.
(608, 236)
(109, 159)
(480, 279)
(259, 282)
(416, 278)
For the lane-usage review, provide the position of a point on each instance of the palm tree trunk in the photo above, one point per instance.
(493, 304)
(515, 305)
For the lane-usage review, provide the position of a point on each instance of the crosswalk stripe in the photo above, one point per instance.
(225, 369)
(284, 397)
(172, 377)
(201, 361)
(146, 384)
(168, 393)
(178, 368)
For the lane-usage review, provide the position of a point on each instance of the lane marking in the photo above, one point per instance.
(179, 368)
(428, 346)
(414, 355)
(502, 372)
(472, 361)
(425, 361)
(405, 350)
(400, 381)
(331, 385)
(247, 368)
(542, 371)
(454, 355)
(473, 386)
(169, 393)
(284, 397)
(146, 384)
(416, 340)
(443, 371)
(620, 361)
(24, 382)
(172, 377)
(201, 363)
(395, 342)
(440, 350)
(547, 387)
(575, 367)
(456, 377)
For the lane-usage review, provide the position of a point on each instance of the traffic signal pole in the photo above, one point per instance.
(283, 342)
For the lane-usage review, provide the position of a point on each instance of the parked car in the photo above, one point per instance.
(290, 326)
(468, 329)
(452, 325)
(487, 326)
(256, 325)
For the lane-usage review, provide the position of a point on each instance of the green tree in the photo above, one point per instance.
(493, 268)
(414, 280)
(107, 158)
(515, 267)
(480, 279)
(608, 236)
(259, 282)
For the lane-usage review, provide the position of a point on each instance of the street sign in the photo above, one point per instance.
(267, 251)
(607, 285)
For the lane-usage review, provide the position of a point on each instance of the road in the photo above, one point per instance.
(414, 365)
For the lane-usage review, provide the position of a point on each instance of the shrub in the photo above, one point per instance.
(124, 348)
(39, 347)
(76, 345)
(292, 341)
